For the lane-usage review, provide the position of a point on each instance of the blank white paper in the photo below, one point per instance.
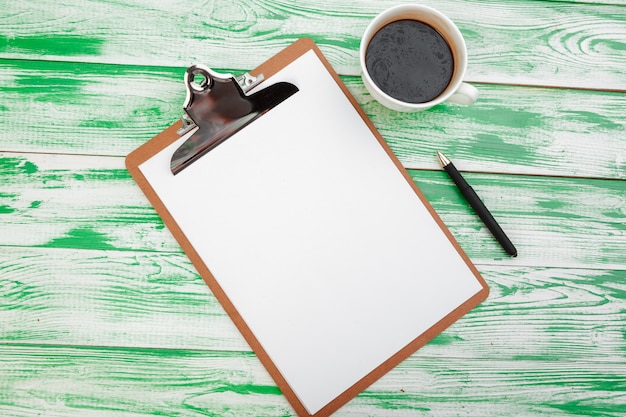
(316, 237)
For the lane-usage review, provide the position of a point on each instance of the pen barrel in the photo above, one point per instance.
(488, 219)
(479, 207)
(456, 177)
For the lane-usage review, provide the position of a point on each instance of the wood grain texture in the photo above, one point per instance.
(110, 110)
(157, 301)
(101, 314)
(550, 131)
(510, 42)
(593, 210)
(92, 109)
(141, 382)
(58, 201)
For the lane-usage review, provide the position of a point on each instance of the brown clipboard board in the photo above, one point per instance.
(168, 136)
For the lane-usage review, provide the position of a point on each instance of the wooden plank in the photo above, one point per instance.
(519, 130)
(102, 315)
(110, 110)
(555, 224)
(95, 196)
(90, 202)
(72, 381)
(613, 2)
(82, 108)
(510, 42)
(152, 300)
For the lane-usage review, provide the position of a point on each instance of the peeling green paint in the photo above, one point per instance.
(579, 408)
(563, 351)
(102, 124)
(81, 238)
(495, 148)
(107, 175)
(445, 339)
(15, 165)
(498, 115)
(551, 204)
(64, 45)
(598, 120)
(615, 45)
(249, 389)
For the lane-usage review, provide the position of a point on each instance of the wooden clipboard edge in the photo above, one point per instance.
(168, 136)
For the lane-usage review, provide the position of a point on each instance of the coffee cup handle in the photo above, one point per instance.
(465, 94)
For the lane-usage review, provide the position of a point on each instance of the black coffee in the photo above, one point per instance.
(410, 61)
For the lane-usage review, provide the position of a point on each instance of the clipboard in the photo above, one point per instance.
(313, 237)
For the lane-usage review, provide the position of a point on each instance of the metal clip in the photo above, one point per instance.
(218, 106)
(246, 81)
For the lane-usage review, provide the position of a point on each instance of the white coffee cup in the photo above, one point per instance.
(456, 91)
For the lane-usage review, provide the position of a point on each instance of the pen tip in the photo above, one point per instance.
(442, 159)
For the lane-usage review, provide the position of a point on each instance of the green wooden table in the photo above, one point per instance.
(101, 313)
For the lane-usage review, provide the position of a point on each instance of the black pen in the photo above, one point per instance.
(472, 198)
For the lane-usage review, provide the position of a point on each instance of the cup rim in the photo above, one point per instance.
(386, 17)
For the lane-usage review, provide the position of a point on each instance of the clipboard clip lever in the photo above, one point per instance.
(246, 81)
(218, 106)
